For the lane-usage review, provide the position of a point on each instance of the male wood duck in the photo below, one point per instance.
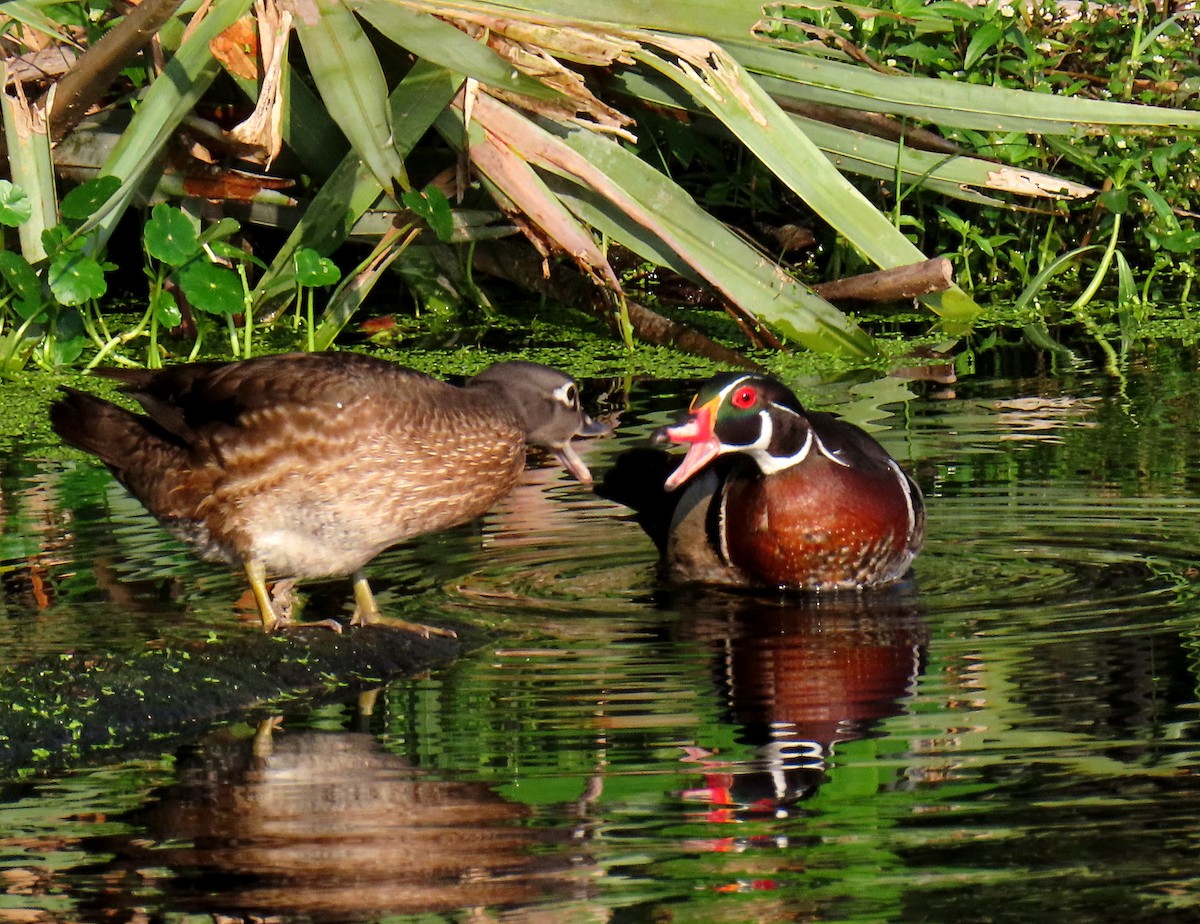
(308, 465)
(773, 496)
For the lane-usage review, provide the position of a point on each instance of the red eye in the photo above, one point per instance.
(744, 397)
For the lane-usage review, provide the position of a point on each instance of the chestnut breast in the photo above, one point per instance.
(820, 524)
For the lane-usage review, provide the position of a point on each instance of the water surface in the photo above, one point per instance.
(1013, 738)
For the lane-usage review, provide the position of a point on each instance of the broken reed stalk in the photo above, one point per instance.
(896, 284)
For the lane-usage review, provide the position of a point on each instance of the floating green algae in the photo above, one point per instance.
(63, 708)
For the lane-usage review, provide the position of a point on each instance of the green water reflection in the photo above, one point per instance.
(1014, 738)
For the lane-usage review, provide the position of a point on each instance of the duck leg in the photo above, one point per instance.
(366, 613)
(272, 618)
(256, 573)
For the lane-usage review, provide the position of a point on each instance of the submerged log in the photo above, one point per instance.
(900, 282)
(63, 708)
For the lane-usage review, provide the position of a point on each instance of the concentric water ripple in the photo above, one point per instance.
(1013, 736)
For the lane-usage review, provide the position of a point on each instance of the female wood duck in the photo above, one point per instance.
(308, 465)
(773, 495)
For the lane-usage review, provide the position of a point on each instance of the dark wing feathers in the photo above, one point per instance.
(188, 399)
(841, 436)
(126, 442)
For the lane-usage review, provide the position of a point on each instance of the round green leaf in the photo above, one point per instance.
(16, 271)
(170, 236)
(166, 311)
(75, 278)
(63, 352)
(34, 308)
(312, 269)
(59, 237)
(15, 207)
(82, 202)
(211, 288)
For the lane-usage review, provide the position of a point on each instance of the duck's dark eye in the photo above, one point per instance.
(572, 396)
(744, 397)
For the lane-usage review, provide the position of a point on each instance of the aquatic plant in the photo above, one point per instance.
(544, 106)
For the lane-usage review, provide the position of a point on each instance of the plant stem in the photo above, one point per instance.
(85, 316)
(1112, 365)
(153, 360)
(233, 337)
(1130, 65)
(312, 335)
(247, 313)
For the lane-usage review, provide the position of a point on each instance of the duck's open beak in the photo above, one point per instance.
(589, 428)
(697, 429)
(567, 455)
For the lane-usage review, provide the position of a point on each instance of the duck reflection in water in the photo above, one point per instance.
(329, 826)
(798, 677)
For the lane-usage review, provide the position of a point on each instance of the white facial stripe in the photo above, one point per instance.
(769, 464)
(565, 394)
(784, 407)
(736, 383)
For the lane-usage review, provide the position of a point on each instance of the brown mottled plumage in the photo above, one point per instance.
(308, 465)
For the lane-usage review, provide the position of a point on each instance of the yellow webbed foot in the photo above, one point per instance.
(275, 605)
(366, 613)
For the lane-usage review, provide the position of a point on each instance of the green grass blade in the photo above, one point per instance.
(807, 78)
(188, 73)
(721, 86)
(352, 189)
(441, 43)
(949, 175)
(350, 80)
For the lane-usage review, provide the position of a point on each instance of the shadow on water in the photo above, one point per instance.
(1015, 737)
